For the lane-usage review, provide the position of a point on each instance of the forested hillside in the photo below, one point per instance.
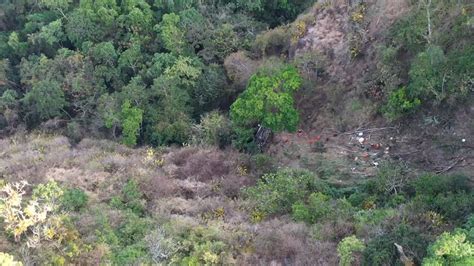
(247, 132)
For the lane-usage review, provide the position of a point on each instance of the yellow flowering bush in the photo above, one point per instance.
(8, 260)
(36, 218)
(150, 158)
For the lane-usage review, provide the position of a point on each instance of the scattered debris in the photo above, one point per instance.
(455, 162)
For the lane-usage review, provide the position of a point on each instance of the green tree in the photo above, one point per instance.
(171, 34)
(131, 59)
(45, 99)
(169, 119)
(55, 4)
(20, 48)
(105, 11)
(82, 25)
(268, 100)
(8, 100)
(104, 54)
(137, 16)
(50, 34)
(427, 74)
(185, 71)
(131, 122)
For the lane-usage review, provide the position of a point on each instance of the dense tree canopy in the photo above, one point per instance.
(82, 61)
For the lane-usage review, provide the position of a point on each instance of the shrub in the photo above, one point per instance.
(347, 247)
(8, 99)
(427, 74)
(389, 186)
(239, 68)
(357, 199)
(399, 104)
(198, 245)
(74, 199)
(381, 250)
(450, 196)
(277, 192)
(214, 130)
(161, 246)
(126, 240)
(317, 207)
(38, 219)
(74, 132)
(7, 259)
(450, 249)
(274, 42)
(131, 198)
(410, 31)
(367, 219)
(262, 164)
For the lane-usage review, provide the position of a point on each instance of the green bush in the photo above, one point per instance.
(275, 193)
(450, 249)
(131, 198)
(125, 240)
(427, 74)
(263, 164)
(410, 31)
(450, 196)
(347, 247)
(389, 186)
(74, 199)
(7, 259)
(380, 250)
(318, 207)
(372, 217)
(399, 104)
(357, 199)
(274, 42)
(198, 245)
(214, 130)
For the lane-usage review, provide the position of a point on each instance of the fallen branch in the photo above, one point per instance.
(451, 166)
(403, 257)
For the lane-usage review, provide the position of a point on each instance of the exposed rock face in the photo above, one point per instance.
(341, 32)
(328, 33)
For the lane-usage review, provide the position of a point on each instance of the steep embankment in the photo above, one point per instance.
(338, 48)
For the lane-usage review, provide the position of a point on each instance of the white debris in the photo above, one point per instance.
(361, 134)
(361, 140)
(463, 140)
(376, 163)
